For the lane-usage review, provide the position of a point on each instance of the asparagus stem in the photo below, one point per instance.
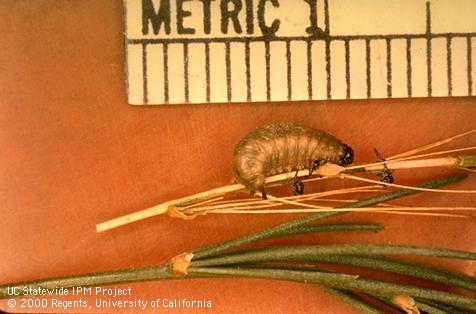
(330, 228)
(309, 253)
(341, 281)
(404, 268)
(157, 272)
(338, 255)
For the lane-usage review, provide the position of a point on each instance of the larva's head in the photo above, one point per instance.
(347, 156)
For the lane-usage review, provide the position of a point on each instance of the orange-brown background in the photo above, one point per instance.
(73, 153)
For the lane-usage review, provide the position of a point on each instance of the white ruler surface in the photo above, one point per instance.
(201, 51)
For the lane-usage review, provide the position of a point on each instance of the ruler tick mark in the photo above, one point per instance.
(469, 66)
(328, 48)
(165, 48)
(248, 74)
(389, 67)
(185, 72)
(448, 66)
(288, 69)
(368, 68)
(144, 74)
(228, 71)
(268, 70)
(309, 68)
(328, 68)
(428, 49)
(347, 69)
(207, 70)
(409, 67)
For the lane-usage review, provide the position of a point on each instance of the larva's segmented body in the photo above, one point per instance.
(284, 147)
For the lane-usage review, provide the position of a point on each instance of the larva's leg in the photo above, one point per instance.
(263, 194)
(297, 185)
(385, 175)
(312, 167)
(298, 188)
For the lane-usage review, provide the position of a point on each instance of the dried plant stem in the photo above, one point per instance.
(260, 203)
(163, 207)
(407, 187)
(413, 212)
(432, 145)
(330, 209)
(274, 201)
(325, 170)
(285, 201)
(423, 163)
(443, 152)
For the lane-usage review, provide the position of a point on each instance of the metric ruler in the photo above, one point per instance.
(202, 51)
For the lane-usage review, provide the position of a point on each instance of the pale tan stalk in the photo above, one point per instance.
(408, 187)
(432, 145)
(417, 211)
(388, 162)
(327, 170)
(275, 202)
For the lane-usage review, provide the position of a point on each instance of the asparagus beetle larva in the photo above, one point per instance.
(284, 147)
